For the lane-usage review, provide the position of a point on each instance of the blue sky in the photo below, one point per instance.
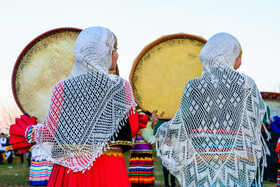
(255, 23)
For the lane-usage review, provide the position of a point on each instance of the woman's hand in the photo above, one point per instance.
(154, 116)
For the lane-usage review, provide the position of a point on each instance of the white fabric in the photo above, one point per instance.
(3, 141)
(93, 51)
(215, 136)
(88, 108)
(38, 154)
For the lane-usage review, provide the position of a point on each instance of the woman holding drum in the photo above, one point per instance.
(86, 130)
(215, 136)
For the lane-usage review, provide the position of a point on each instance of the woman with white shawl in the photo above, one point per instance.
(215, 139)
(91, 120)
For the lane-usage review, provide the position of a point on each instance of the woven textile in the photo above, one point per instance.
(278, 175)
(215, 137)
(141, 165)
(88, 108)
(40, 169)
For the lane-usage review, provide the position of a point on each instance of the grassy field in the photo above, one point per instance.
(17, 174)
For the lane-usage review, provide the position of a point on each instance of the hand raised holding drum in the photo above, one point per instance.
(154, 116)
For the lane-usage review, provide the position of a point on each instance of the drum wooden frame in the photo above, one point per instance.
(176, 41)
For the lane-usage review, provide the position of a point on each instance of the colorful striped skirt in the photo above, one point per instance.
(141, 165)
(278, 174)
(40, 169)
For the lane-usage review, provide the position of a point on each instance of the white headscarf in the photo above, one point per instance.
(215, 136)
(222, 49)
(93, 51)
(88, 108)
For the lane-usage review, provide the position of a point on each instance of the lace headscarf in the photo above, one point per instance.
(215, 136)
(222, 49)
(88, 108)
(93, 51)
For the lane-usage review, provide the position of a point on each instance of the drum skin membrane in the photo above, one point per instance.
(46, 60)
(160, 76)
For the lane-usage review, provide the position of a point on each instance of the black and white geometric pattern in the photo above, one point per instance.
(94, 109)
(215, 137)
(88, 108)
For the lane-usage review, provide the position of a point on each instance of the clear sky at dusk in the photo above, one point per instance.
(255, 23)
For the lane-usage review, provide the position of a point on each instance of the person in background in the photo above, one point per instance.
(278, 172)
(166, 177)
(141, 165)
(19, 154)
(9, 154)
(155, 125)
(3, 144)
(28, 156)
(270, 172)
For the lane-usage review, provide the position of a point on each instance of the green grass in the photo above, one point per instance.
(15, 174)
(19, 173)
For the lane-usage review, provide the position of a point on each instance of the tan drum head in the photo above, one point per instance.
(162, 69)
(43, 62)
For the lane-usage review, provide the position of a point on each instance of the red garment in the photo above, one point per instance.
(137, 121)
(107, 171)
(134, 124)
(278, 147)
(17, 133)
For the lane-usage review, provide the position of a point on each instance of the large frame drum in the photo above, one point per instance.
(160, 72)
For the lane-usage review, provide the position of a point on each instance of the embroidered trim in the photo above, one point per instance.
(30, 135)
(120, 142)
(110, 144)
(113, 152)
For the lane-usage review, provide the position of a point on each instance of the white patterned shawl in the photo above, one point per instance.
(88, 108)
(215, 136)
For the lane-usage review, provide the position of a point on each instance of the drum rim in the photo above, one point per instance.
(150, 46)
(26, 49)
